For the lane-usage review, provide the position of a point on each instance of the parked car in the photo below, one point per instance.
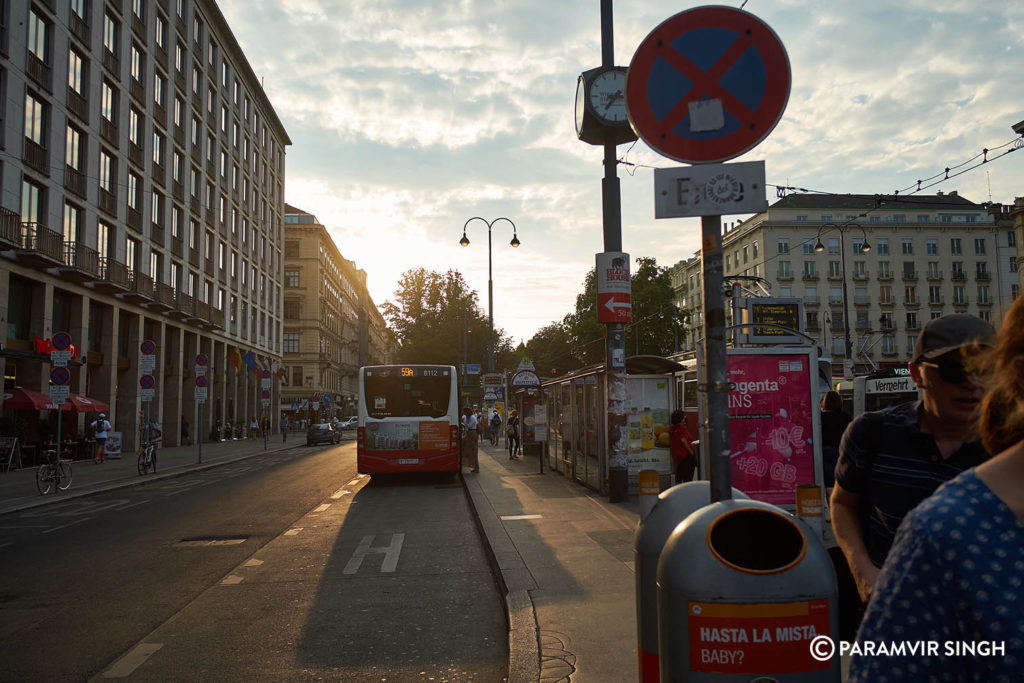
(322, 432)
(349, 423)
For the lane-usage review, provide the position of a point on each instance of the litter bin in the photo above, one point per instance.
(670, 508)
(743, 592)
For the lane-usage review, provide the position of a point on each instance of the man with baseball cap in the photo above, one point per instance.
(891, 460)
(100, 427)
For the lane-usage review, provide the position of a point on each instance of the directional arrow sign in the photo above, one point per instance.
(614, 308)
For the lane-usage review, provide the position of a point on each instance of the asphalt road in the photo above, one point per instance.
(287, 566)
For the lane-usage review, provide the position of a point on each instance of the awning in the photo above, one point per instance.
(26, 399)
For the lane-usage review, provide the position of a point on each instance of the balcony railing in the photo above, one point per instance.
(112, 63)
(810, 277)
(82, 258)
(38, 71)
(34, 155)
(79, 29)
(108, 131)
(166, 295)
(108, 202)
(909, 275)
(862, 300)
(860, 275)
(10, 226)
(78, 105)
(885, 275)
(74, 181)
(137, 90)
(141, 284)
(983, 276)
(114, 272)
(958, 276)
(812, 300)
(934, 275)
(37, 238)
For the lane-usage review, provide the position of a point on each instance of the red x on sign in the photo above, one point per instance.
(707, 85)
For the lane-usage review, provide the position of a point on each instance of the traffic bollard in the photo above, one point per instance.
(744, 591)
(670, 508)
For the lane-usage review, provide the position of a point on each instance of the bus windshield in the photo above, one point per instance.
(407, 392)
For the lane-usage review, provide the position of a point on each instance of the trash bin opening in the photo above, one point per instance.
(757, 541)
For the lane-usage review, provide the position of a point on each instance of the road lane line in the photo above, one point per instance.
(126, 666)
(507, 518)
(323, 508)
(339, 493)
(231, 580)
(65, 526)
(253, 563)
(293, 532)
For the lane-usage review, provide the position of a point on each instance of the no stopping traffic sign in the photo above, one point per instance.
(707, 85)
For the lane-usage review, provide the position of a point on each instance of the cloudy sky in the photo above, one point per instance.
(409, 117)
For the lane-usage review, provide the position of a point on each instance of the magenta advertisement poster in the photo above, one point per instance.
(770, 426)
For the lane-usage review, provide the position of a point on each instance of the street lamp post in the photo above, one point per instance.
(864, 248)
(490, 280)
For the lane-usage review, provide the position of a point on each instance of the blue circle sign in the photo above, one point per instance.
(147, 347)
(202, 359)
(61, 341)
(146, 381)
(707, 85)
(201, 381)
(60, 376)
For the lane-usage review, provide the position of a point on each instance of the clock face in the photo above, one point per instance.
(581, 103)
(608, 96)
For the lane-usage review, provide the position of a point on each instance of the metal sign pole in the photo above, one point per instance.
(717, 386)
(199, 433)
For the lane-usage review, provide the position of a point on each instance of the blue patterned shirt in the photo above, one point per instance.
(955, 574)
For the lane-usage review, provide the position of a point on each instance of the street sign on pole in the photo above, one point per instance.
(147, 356)
(707, 84)
(614, 291)
(60, 349)
(709, 190)
(146, 388)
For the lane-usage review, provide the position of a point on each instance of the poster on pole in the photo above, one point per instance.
(772, 424)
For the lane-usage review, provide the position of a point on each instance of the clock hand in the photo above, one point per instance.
(611, 100)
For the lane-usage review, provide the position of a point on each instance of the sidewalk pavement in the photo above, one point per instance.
(18, 487)
(565, 558)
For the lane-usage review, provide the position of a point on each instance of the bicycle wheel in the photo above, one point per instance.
(63, 473)
(143, 463)
(44, 479)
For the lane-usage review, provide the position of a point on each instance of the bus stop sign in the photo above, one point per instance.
(707, 85)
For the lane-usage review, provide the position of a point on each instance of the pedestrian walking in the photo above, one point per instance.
(891, 460)
(953, 574)
(494, 426)
(512, 434)
(470, 456)
(284, 428)
(100, 427)
(254, 428)
(833, 423)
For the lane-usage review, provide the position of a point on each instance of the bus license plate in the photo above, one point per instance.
(408, 461)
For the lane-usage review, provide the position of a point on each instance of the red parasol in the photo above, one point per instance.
(25, 399)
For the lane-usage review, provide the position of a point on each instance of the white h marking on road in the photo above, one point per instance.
(391, 553)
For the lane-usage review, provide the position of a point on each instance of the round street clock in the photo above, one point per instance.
(601, 106)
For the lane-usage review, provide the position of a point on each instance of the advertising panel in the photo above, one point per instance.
(647, 422)
(771, 425)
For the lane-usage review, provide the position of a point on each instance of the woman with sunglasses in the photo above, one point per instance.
(955, 574)
(891, 460)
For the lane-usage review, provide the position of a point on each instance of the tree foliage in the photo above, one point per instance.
(578, 340)
(436, 318)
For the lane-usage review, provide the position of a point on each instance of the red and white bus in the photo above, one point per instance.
(408, 419)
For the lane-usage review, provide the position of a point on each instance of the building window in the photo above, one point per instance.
(833, 245)
(110, 33)
(292, 309)
(983, 297)
(958, 295)
(76, 73)
(809, 268)
(108, 102)
(783, 245)
(37, 30)
(931, 246)
(72, 223)
(979, 245)
(291, 278)
(882, 243)
(1011, 239)
(74, 155)
(107, 172)
(955, 246)
(784, 271)
(134, 185)
(137, 64)
(291, 250)
(35, 120)
(291, 342)
(908, 246)
(885, 294)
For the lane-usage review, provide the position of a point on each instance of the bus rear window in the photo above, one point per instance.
(397, 396)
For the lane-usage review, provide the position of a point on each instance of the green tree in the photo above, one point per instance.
(436, 318)
(550, 349)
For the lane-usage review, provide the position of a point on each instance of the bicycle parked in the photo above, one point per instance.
(53, 474)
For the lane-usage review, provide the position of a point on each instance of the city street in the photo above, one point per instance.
(283, 566)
